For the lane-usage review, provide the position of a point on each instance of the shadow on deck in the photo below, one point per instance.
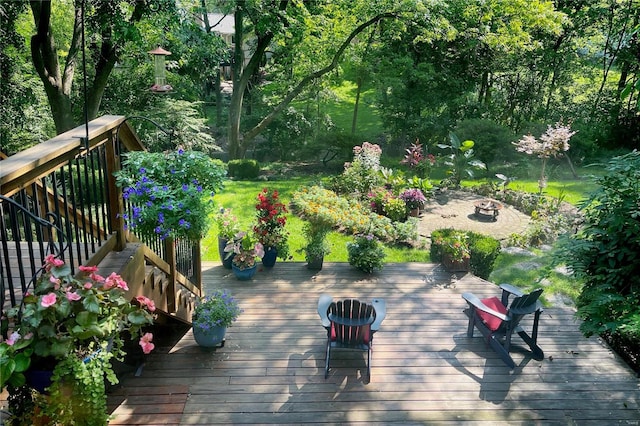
(424, 370)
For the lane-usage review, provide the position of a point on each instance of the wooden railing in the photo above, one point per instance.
(74, 182)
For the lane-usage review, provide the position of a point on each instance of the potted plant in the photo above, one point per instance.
(366, 253)
(455, 252)
(317, 247)
(211, 317)
(414, 200)
(170, 192)
(227, 225)
(74, 328)
(269, 229)
(246, 250)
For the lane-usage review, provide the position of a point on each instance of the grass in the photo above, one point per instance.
(531, 272)
(241, 197)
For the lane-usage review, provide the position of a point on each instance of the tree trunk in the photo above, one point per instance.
(355, 106)
(58, 84)
(44, 55)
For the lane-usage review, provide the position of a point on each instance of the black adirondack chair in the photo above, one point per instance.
(350, 324)
(497, 320)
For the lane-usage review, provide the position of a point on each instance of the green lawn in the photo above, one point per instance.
(241, 197)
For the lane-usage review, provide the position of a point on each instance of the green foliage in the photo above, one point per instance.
(395, 209)
(244, 169)
(172, 192)
(484, 252)
(348, 215)
(483, 249)
(603, 254)
(492, 140)
(315, 233)
(460, 160)
(186, 123)
(218, 309)
(78, 392)
(366, 254)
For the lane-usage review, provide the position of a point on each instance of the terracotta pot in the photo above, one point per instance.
(454, 265)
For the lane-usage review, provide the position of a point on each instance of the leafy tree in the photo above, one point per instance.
(603, 254)
(24, 121)
(108, 25)
(287, 22)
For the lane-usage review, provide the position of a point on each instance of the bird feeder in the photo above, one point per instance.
(159, 70)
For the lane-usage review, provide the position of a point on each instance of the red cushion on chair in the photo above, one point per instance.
(367, 333)
(492, 322)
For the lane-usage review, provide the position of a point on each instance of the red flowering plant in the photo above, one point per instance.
(271, 220)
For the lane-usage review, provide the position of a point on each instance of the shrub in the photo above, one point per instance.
(366, 253)
(244, 169)
(395, 209)
(604, 253)
(348, 215)
(361, 175)
(484, 249)
(484, 252)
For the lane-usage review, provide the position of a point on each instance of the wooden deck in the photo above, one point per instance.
(424, 370)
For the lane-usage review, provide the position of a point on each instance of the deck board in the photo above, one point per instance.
(425, 369)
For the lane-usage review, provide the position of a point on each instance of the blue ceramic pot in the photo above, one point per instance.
(39, 379)
(244, 274)
(269, 258)
(226, 262)
(210, 338)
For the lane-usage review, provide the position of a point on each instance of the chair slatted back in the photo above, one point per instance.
(525, 304)
(351, 322)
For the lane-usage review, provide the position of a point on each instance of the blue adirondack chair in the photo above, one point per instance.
(497, 320)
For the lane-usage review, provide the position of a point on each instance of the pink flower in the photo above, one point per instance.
(114, 280)
(48, 300)
(145, 343)
(96, 277)
(55, 281)
(72, 296)
(88, 269)
(51, 261)
(145, 301)
(88, 285)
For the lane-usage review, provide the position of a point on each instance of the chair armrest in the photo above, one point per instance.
(473, 301)
(381, 312)
(323, 306)
(509, 288)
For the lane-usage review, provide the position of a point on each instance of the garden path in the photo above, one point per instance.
(455, 209)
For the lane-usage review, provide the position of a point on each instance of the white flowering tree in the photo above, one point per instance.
(552, 143)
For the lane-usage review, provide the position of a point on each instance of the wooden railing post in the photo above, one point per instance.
(115, 192)
(170, 250)
(197, 264)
